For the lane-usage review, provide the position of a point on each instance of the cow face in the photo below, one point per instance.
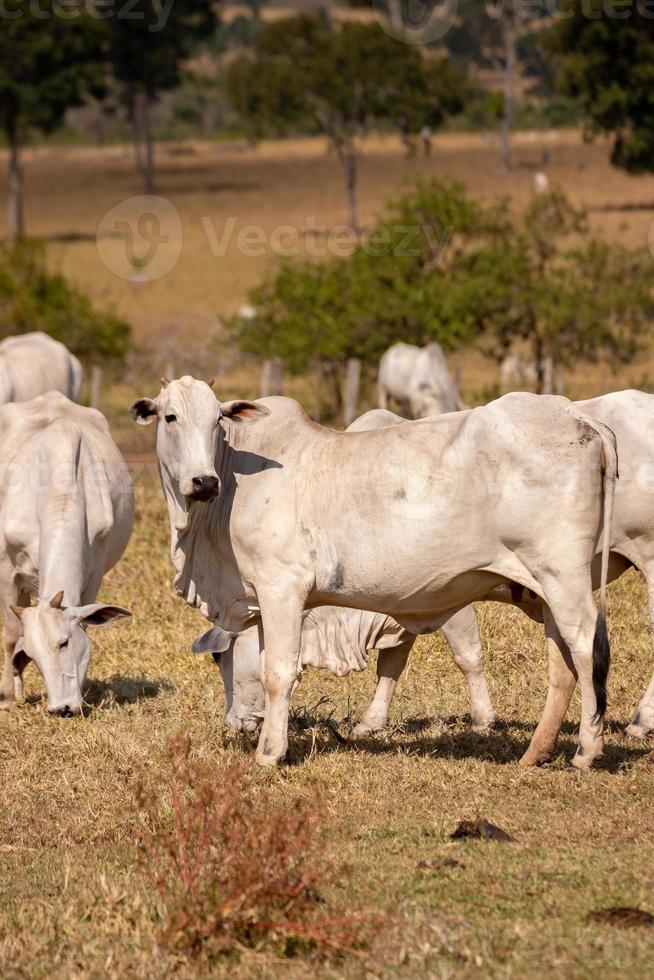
(55, 638)
(427, 402)
(189, 414)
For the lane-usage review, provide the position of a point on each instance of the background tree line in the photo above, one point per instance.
(315, 74)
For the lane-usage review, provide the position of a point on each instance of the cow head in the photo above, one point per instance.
(188, 415)
(239, 659)
(55, 638)
(427, 402)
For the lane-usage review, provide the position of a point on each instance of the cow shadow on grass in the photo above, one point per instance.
(503, 745)
(120, 690)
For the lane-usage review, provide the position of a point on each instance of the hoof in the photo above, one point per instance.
(582, 762)
(536, 757)
(483, 724)
(269, 761)
(637, 730)
(361, 730)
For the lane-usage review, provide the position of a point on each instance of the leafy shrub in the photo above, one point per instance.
(31, 298)
(234, 867)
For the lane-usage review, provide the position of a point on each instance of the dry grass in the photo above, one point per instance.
(74, 901)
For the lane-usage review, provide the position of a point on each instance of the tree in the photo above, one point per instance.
(305, 73)
(33, 299)
(148, 46)
(545, 281)
(608, 65)
(469, 271)
(48, 64)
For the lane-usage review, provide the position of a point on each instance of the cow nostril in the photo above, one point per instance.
(197, 481)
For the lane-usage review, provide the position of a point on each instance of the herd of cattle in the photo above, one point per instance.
(329, 544)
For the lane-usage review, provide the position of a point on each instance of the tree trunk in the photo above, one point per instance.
(349, 161)
(15, 219)
(319, 374)
(143, 141)
(352, 379)
(148, 170)
(509, 38)
(546, 375)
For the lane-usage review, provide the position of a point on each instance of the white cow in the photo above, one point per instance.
(32, 364)
(630, 415)
(418, 379)
(339, 640)
(515, 371)
(414, 521)
(66, 511)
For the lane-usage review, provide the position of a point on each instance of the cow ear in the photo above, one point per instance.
(98, 614)
(215, 640)
(144, 411)
(243, 413)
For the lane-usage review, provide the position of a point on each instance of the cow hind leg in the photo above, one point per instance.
(562, 679)
(583, 631)
(462, 634)
(390, 664)
(642, 722)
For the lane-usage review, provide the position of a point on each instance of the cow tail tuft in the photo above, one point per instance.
(601, 663)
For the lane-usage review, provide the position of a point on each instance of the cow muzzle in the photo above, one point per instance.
(204, 488)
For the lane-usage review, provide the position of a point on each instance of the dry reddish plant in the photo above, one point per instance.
(235, 867)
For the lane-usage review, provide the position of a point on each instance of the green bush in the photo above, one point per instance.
(31, 298)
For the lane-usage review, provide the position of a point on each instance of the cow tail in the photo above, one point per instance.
(601, 646)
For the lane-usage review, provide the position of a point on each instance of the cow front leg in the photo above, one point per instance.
(10, 635)
(462, 634)
(282, 627)
(562, 679)
(390, 664)
(642, 722)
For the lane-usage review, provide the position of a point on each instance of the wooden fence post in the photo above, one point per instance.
(352, 379)
(96, 386)
(318, 385)
(272, 377)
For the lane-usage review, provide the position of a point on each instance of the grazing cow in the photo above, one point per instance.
(339, 640)
(32, 364)
(414, 521)
(418, 379)
(66, 510)
(515, 371)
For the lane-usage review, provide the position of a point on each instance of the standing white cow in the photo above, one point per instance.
(339, 640)
(414, 521)
(418, 379)
(32, 364)
(630, 415)
(66, 511)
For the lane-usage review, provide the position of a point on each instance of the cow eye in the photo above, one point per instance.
(170, 418)
(63, 644)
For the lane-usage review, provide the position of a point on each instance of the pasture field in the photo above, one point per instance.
(75, 901)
